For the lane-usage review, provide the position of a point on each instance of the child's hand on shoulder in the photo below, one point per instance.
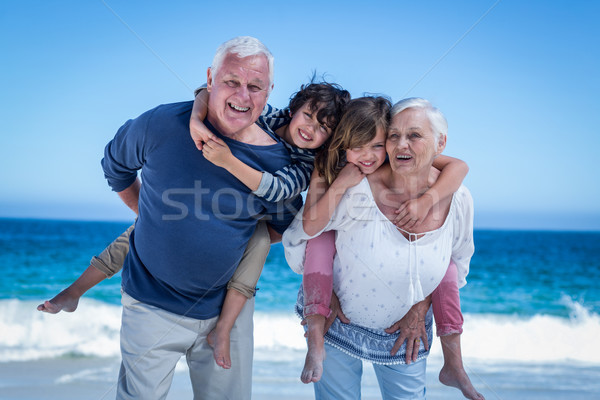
(200, 133)
(217, 152)
(349, 176)
(412, 212)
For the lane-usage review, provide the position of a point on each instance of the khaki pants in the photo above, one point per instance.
(153, 340)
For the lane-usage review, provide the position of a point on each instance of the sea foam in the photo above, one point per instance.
(93, 331)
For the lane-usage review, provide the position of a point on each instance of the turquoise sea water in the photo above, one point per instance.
(512, 272)
(531, 308)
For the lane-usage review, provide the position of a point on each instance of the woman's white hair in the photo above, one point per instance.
(242, 46)
(436, 118)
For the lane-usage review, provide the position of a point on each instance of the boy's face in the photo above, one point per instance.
(305, 131)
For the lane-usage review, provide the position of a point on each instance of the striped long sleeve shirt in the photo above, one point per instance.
(292, 179)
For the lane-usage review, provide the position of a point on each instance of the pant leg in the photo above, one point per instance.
(152, 342)
(317, 280)
(341, 377)
(445, 300)
(248, 271)
(209, 381)
(402, 381)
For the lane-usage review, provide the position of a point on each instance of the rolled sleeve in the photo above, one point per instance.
(125, 154)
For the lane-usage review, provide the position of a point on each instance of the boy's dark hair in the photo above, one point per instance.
(330, 97)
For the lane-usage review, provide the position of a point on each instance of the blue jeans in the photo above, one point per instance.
(342, 375)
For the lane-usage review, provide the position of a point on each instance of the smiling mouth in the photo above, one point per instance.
(304, 135)
(367, 164)
(403, 158)
(238, 108)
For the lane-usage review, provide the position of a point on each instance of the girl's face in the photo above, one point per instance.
(370, 156)
(305, 131)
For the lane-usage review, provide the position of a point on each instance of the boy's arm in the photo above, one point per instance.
(217, 152)
(284, 184)
(288, 181)
(321, 201)
(200, 133)
(452, 173)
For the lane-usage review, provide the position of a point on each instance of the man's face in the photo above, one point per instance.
(238, 92)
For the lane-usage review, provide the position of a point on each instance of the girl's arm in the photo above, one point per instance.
(452, 174)
(321, 201)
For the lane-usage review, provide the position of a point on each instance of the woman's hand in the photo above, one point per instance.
(412, 212)
(217, 152)
(412, 330)
(336, 312)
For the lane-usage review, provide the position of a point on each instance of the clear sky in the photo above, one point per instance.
(517, 80)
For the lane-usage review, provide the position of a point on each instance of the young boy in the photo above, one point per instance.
(304, 126)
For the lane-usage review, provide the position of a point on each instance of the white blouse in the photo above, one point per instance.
(378, 273)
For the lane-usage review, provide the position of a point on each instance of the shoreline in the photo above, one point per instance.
(95, 378)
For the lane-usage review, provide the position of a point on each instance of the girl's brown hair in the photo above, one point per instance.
(357, 127)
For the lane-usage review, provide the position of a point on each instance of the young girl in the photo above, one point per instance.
(358, 149)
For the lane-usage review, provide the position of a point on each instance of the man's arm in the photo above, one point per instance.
(131, 195)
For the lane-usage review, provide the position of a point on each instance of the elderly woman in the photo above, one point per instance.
(380, 272)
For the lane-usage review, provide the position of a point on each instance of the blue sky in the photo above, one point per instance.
(517, 81)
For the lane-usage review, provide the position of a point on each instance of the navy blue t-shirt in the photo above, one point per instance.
(195, 219)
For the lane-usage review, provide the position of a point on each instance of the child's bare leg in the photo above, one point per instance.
(68, 299)
(317, 282)
(313, 364)
(218, 338)
(453, 372)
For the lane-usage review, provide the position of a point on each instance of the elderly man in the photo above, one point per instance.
(195, 220)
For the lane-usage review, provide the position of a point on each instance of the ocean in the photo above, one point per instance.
(531, 308)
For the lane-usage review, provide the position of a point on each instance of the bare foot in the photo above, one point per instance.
(459, 379)
(64, 301)
(313, 365)
(220, 344)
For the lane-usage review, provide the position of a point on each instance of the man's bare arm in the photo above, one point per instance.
(131, 195)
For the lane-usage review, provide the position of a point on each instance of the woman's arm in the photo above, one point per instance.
(321, 201)
(452, 173)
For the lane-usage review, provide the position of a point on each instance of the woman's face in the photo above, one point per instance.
(411, 144)
(370, 156)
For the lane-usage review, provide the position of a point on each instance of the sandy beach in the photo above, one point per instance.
(95, 378)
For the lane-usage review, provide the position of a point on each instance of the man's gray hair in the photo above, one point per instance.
(436, 118)
(242, 46)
